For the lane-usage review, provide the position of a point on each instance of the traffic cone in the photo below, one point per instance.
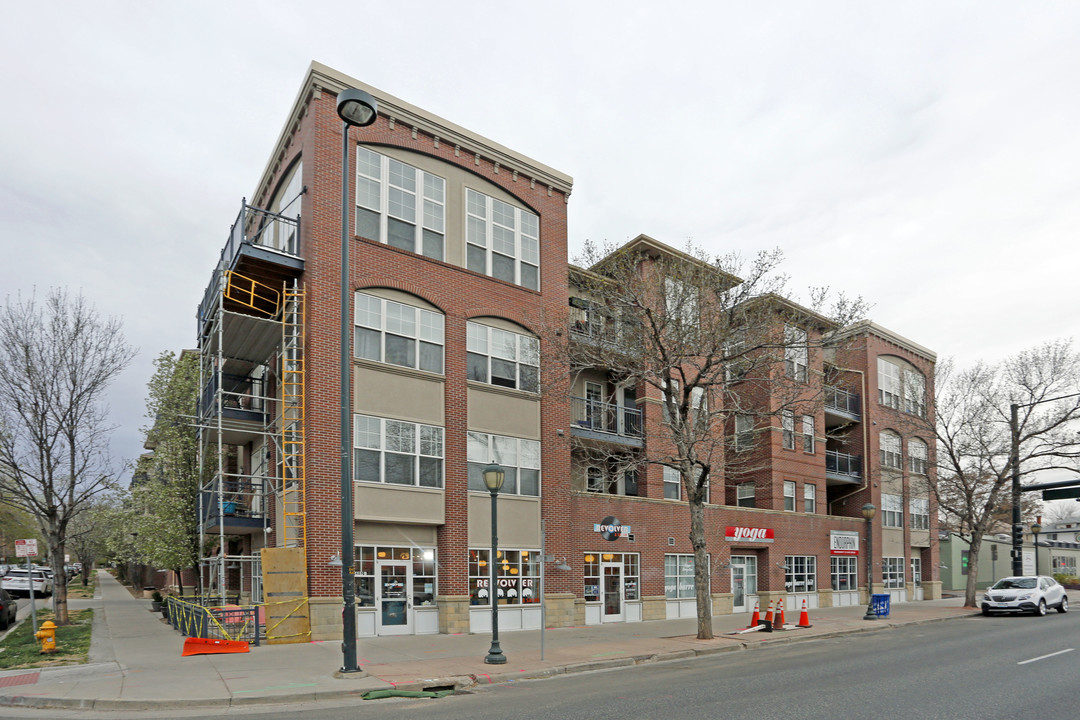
(769, 616)
(804, 617)
(780, 615)
(755, 619)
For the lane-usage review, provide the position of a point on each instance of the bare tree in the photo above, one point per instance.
(57, 359)
(973, 435)
(715, 338)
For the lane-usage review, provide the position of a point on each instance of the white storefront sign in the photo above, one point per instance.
(843, 542)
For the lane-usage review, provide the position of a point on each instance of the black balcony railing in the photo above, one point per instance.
(241, 497)
(839, 463)
(605, 417)
(238, 392)
(842, 400)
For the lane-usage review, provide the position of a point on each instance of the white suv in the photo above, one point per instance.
(1029, 593)
(16, 582)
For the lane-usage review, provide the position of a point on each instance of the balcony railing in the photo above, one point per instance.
(605, 417)
(238, 392)
(842, 400)
(257, 227)
(241, 497)
(838, 463)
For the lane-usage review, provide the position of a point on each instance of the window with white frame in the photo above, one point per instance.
(892, 511)
(800, 573)
(789, 496)
(745, 495)
(502, 241)
(678, 577)
(672, 483)
(808, 433)
(736, 364)
(916, 571)
(744, 432)
(917, 457)
(592, 574)
(399, 205)
(844, 572)
(1063, 565)
(503, 358)
(398, 334)
(892, 572)
(424, 572)
(397, 452)
(519, 458)
(888, 383)
(517, 577)
(594, 480)
(809, 498)
(796, 353)
(914, 393)
(919, 509)
(890, 449)
(749, 565)
(681, 301)
(787, 424)
(615, 479)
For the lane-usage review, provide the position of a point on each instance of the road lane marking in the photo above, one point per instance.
(1043, 657)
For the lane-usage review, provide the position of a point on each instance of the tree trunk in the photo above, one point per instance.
(56, 560)
(179, 581)
(702, 579)
(972, 569)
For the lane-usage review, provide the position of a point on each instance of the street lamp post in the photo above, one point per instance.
(868, 512)
(1036, 528)
(493, 480)
(356, 108)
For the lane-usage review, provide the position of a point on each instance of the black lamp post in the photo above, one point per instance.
(356, 108)
(868, 512)
(493, 480)
(1036, 528)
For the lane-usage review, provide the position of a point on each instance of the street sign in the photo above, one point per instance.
(26, 548)
(1061, 493)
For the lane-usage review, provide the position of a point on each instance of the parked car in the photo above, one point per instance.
(1027, 593)
(17, 582)
(8, 610)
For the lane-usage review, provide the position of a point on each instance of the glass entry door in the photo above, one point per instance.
(393, 597)
(738, 588)
(612, 591)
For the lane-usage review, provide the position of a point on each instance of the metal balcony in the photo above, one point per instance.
(841, 406)
(240, 507)
(842, 468)
(597, 420)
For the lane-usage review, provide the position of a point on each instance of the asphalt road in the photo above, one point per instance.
(985, 668)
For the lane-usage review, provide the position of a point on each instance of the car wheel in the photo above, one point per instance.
(1064, 606)
(1041, 609)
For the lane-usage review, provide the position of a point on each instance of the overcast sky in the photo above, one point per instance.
(923, 155)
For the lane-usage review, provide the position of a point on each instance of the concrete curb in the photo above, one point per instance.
(457, 682)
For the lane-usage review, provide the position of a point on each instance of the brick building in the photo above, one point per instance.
(459, 277)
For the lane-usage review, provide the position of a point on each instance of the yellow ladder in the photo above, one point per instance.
(292, 418)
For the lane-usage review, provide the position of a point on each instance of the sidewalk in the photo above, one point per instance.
(135, 660)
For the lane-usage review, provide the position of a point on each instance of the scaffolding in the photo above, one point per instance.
(251, 403)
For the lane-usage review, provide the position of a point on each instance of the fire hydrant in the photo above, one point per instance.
(47, 636)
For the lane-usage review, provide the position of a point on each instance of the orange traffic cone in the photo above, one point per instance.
(755, 619)
(780, 615)
(769, 615)
(804, 617)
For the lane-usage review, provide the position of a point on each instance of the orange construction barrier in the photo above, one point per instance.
(804, 617)
(206, 646)
(769, 614)
(780, 615)
(755, 619)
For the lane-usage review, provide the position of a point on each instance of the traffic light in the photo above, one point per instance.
(1018, 534)
(993, 552)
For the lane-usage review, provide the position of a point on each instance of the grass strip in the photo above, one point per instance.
(20, 649)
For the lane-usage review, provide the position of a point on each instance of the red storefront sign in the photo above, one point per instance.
(748, 534)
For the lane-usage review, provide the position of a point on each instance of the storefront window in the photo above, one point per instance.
(678, 577)
(421, 560)
(844, 573)
(800, 574)
(630, 574)
(517, 577)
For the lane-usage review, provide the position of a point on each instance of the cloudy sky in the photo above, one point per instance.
(923, 155)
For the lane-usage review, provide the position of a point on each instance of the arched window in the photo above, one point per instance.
(398, 333)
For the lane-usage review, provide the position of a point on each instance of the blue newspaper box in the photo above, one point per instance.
(880, 604)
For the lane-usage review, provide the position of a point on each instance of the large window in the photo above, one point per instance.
(844, 571)
(502, 241)
(503, 358)
(920, 513)
(796, 354)
(809, 493)
(630, 574)
(397, 452)
(678, 577)
(398, 334)
(517, 577)
(914, 393)
(892, 511)
(672, 483)
(681, 301)
(888, 383)
(800, 573)
(890, 450)
(745, 495)
(1063, 565)
(612, 480)
(424, 579)
(520, 459)
(399, 205)
(789, 496)
(744, 432)
(787, 423)
(808, 433)
(892, 572)
(917, 459)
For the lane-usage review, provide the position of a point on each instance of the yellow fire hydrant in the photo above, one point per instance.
(47, 636)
